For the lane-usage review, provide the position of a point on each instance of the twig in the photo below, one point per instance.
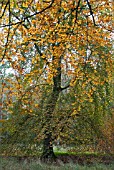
(8, 33)
(77, 9)
(4, 9)
(91, 12)
(36, 13)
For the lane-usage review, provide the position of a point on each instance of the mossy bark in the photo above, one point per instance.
(49, 109)
(48, 138)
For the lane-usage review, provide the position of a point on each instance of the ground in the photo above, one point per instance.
(64, 161)
(80, 158)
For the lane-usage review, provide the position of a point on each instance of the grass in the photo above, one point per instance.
(15, 164)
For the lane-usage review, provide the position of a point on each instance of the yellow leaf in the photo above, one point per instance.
(79, 108)
(36, 105)
(74, 113)
(91, 100)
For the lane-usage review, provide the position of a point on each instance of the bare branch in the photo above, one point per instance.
(63, 88)
(7, 40)
(90, 9)
(4, 9)
(77, 9)
(38, 50)
(91, 12)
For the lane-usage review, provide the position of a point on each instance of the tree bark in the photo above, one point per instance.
(48, 138)
(50, 107)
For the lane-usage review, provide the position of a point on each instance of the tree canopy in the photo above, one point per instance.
(56, 64)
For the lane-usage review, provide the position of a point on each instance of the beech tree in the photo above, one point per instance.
(60, 44)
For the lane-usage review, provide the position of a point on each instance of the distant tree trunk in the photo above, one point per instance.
(50, 107)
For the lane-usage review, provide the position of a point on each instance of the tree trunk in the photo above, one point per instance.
(48, 138)
(48, 153)
(50, 107)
